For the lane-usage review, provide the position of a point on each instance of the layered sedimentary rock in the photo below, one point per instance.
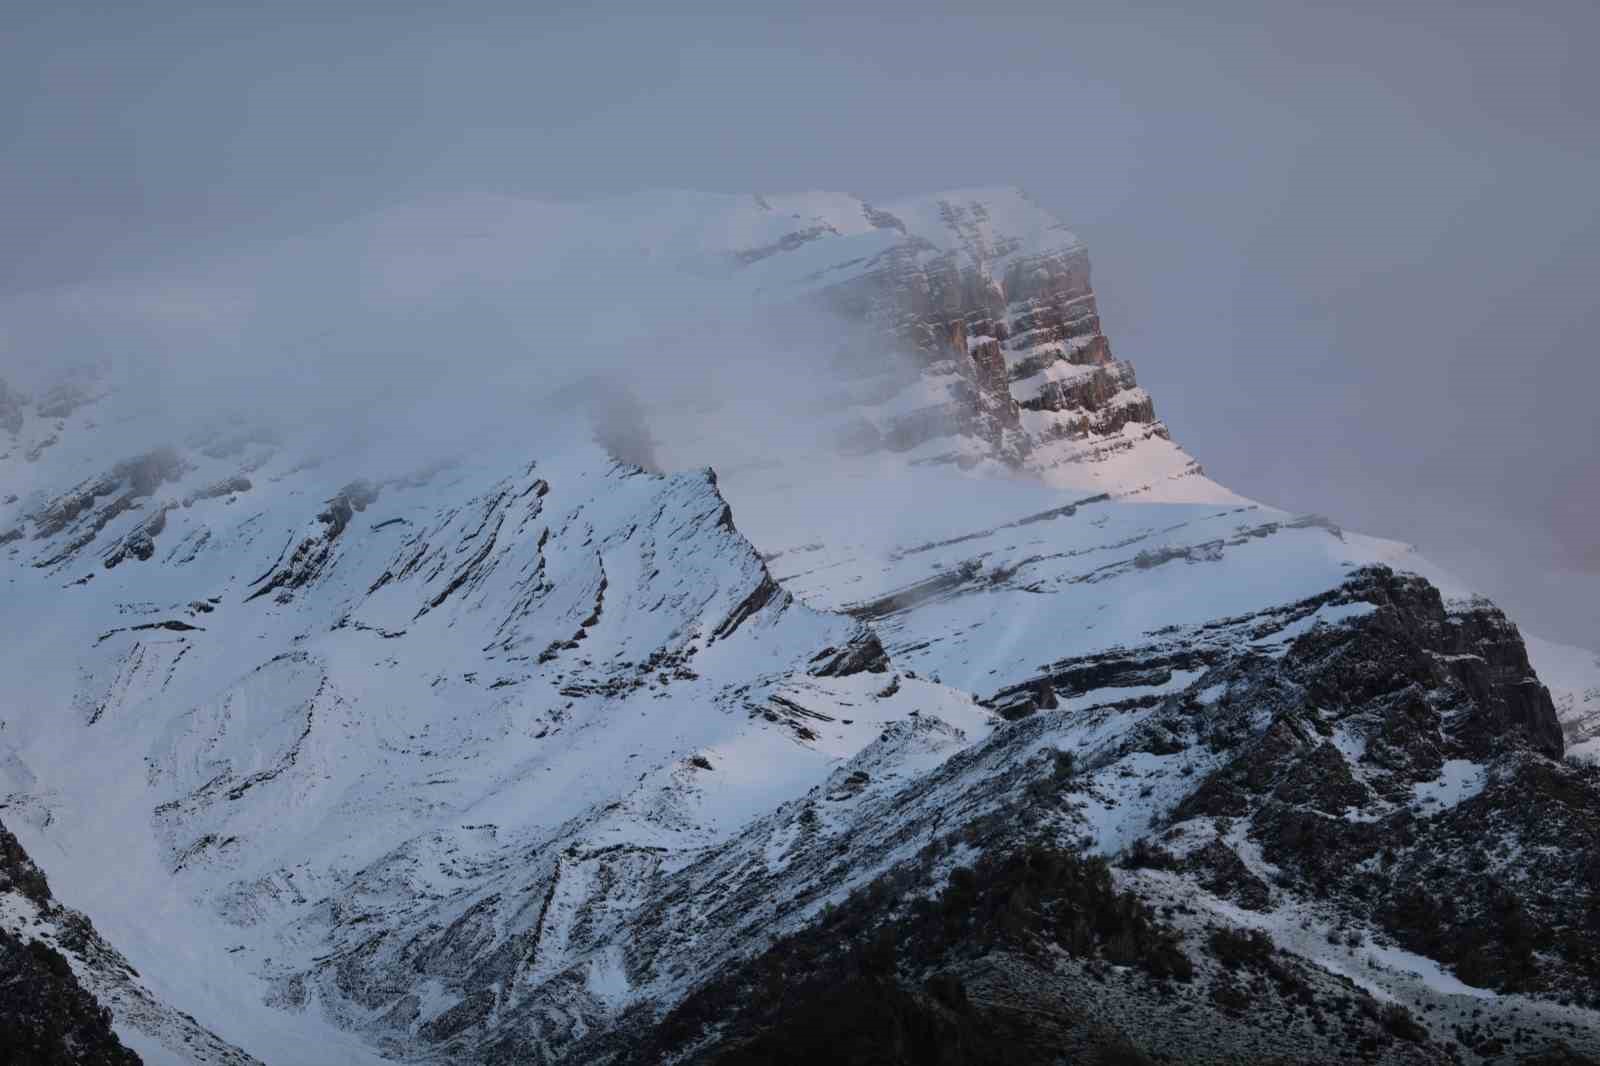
(995, 302)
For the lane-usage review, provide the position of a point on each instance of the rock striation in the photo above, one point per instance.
(994, 300)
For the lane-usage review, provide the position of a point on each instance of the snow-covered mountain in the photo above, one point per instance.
(515, 746)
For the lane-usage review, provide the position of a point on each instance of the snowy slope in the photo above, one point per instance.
(306, 708)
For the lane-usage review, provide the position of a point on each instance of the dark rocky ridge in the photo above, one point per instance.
(1030, 957)
(1480, 885)
(887, 977)
(46, 1016)
(1512, 881)
(80, 516)
(312, 555)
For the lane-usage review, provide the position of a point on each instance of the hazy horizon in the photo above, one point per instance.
(1352, 254)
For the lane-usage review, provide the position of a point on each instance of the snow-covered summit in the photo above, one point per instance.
(417, 741)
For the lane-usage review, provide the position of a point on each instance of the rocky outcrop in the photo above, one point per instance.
(312, 555)
(79, 517)
(1053, 302)
(1089, 391)
(1410, 766)
(1003, 323)
(1031, 956)
(218, 489)
(1389, 844)
(129, 481)
(19, 873)
(141, 542)
(863, 653)
(46, 1016)
(788, 243)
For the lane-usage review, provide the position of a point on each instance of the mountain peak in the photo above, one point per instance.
(532, 753)
(990, 296)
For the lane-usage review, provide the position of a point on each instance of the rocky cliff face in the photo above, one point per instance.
(1006, 730)
(994, 299)
(1405, 764)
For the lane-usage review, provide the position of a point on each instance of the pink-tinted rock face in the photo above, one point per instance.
(994, 383)
(1090, 392)
(1008, 330)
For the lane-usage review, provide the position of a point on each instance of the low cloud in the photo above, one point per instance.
(420, 330)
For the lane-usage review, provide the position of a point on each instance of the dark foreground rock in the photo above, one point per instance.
(46, 1017)
(1391, 776)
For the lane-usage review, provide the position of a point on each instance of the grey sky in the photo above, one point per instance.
(1354, 251)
